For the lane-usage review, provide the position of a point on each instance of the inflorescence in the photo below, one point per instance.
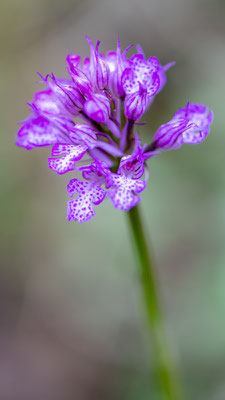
(108, 94)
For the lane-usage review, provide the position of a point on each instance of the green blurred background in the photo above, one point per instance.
(71, 318)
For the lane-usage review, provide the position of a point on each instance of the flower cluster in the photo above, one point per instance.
(108, 94)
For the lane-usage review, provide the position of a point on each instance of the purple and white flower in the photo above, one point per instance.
(189, 125)
(90, 193)
(101, 91)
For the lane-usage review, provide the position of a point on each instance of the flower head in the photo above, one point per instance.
(101, 91)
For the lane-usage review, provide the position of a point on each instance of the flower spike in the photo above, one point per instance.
(90, 120)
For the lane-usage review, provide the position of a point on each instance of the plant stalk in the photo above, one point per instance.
(166, 374)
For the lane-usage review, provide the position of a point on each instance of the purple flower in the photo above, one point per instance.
(126, 183)
(81, 81)
(100, 91)
(141, 72)
(136, 104)
(123, 194)
(134, 164)
(140, 82)
(189, 125)
(99, 69)
(90, 193)
(82, 137)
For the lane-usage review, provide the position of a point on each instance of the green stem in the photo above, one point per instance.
(164, 366)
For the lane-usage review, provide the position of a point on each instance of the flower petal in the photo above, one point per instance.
(46, 102)
(37, 131)
(170, 135)
(81, 208)
(189, 125)
(141, 72)
(66, 163)
(122, 196)
(200, 119)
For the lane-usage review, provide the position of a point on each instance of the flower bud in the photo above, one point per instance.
(189, 125)
(102, 73)
(68, 94)
(136, 104)
(98, 108)
(120, 67)
(99, 69)
(170, 135)
(102, 70)
(81, 81)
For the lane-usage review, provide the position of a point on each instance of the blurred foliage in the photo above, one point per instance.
(71, 326)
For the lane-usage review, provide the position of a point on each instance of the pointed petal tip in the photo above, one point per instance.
(169, 65)
(89, 41)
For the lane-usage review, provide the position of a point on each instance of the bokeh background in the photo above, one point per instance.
(71, 318)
